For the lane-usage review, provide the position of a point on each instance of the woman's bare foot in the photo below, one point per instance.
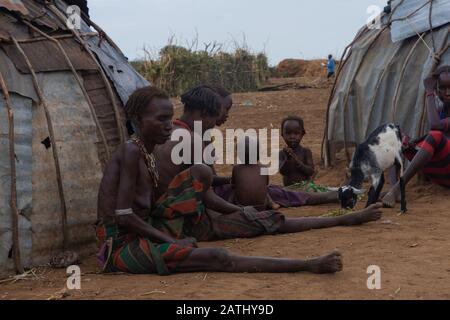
(371, 213)
(391, 198)
(330, 263)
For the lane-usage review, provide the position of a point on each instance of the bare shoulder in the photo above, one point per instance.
(129, 153)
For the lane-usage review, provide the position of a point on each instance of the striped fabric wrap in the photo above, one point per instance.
(179, 213)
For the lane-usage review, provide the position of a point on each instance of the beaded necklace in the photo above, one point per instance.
(150, 160)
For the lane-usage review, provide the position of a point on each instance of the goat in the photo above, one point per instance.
(381, 151)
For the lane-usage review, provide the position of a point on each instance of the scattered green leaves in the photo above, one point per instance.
(308, 186)
(337, 213)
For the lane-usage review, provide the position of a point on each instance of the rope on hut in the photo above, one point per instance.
(12, 161)
(120, 128)
(52, 138)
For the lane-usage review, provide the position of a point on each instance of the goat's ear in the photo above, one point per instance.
(333, 189)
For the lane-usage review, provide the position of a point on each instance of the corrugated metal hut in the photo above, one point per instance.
(62, 93)
(381, 76)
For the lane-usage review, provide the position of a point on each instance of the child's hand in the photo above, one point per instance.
(292, 155)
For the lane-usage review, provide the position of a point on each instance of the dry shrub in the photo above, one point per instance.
(177, 69)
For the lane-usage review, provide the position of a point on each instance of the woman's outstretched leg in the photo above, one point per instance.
(294, 225)
(220, 260)
(318, 198)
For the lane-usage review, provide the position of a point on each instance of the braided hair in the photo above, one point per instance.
(204, 99)
(140, 99)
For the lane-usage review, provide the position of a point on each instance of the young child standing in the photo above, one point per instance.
(296, 161)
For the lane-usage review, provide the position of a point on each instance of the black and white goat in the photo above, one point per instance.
(381, 151)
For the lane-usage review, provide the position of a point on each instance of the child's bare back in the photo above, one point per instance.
(248, 177)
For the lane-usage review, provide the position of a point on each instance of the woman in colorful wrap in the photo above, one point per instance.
(141, 232)
(430, 154)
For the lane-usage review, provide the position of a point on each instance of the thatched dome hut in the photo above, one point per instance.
(61, 117)
(381, 76)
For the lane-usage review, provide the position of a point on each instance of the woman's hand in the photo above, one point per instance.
(430, 84)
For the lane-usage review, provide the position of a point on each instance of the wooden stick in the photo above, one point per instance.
(400, 80)
(64, 36)
(101, 31)
(431, 26)
(12, 161)
(53, 140)
(120, 128)
(325, 143)
(80, 83)
(378, 86)
(445, 46)
(346, 96)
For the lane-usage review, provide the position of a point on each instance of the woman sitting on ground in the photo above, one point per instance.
(431, 155)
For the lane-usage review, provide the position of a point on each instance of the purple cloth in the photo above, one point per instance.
(281, 196)
(101, 256)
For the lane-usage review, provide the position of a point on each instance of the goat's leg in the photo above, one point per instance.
(377, 185)
(371, 195)
(379, 188)
(399, 166)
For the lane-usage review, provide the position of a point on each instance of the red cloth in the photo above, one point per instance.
(438, 169)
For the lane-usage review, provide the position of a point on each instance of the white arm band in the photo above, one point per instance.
(124, 212)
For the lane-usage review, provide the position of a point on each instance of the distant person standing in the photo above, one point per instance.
(331, 66)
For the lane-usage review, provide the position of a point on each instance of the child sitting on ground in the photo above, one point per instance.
(296, 162)
(247, 176)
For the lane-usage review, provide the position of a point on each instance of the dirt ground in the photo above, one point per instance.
(413, 251)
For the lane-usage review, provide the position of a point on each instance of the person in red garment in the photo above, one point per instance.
(431, 154)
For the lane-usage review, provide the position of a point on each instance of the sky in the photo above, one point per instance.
(303, 29)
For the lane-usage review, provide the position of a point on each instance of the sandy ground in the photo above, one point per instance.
(413, 251)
